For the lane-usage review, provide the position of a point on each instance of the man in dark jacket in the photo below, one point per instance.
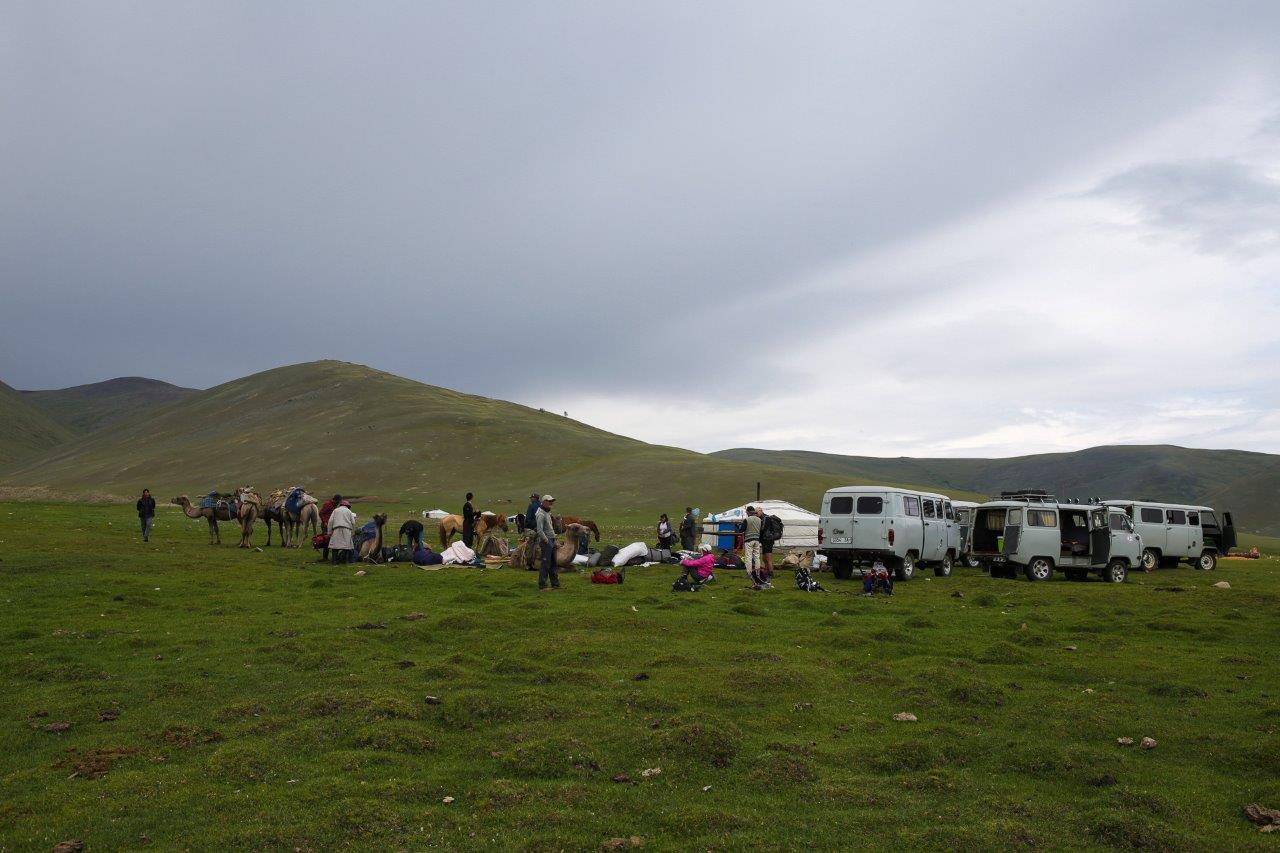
(687, 525)
(468, 522)
(146, 513)
(531, 514)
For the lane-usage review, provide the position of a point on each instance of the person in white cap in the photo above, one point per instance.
(548, 577)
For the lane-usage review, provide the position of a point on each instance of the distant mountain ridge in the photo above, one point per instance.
(85, 408)
(1245, 482)
(25, 430)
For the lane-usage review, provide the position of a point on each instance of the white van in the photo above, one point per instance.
(964, 520)
(903, 527)
(1172, 533)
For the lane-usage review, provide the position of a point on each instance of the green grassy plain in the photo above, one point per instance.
(255, 713)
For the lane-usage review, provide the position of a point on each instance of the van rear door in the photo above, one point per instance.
(934, 544)
(835, 523)
(870, 520)
(1099, 537)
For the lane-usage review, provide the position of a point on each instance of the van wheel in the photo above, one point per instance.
(943, 569)
(1117, 572)
(972, 562)
(1039, 569)
(1208, 561)
(1150, 560)
(906, 567)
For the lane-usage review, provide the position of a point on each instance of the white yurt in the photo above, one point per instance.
(799, 526)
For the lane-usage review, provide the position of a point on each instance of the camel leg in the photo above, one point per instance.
(215, 538)
(268, 521)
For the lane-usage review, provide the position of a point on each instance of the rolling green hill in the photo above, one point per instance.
(25, 431)
(343, 427)
(1244, 482)
(86, 408)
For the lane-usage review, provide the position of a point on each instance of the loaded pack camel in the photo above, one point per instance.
(214, 514)
(561, 522)
(250, 507)
(273, 511)
(451, 525)
(370, 550)
(307, 517)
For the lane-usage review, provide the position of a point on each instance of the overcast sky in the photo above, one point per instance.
(883, 228)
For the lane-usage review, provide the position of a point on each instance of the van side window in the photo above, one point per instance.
(946, 508)
(910, 505)
(1119, 522)
(868, 505)
(928, 508)
(1042, 518)
(1209, 519)
(962, 516)
(1015, 517)
(841, 505)
(1151, 515)
(1176, 516)
(1193, 518)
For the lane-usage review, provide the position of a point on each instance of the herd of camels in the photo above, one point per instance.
(249, 507)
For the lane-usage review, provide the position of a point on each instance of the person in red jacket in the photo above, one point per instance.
(326, 510)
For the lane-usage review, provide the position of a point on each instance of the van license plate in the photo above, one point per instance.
(841, 540)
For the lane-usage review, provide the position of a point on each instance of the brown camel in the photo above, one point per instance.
(273, 510)
(250, 507)
(223, 511)
(573, 535)
(371, 549)
(452, 524)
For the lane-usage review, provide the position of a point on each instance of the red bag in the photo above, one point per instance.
(320, 541)
(604, 577)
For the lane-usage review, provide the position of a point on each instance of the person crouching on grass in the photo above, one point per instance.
(146, 513)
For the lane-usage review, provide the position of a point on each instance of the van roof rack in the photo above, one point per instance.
(1028, 495)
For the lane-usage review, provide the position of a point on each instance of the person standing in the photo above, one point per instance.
(666, 538)
(326, 510)
(751, 549)
(687, 526)
(531, 514)
(342, 525)
(766, 549)
(146, 513)
(548, 576)
(468, 523)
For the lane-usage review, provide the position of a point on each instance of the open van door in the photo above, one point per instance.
(1099, 538)
(1228, 532)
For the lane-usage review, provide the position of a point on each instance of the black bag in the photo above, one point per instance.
(607, 553)
(771, 530)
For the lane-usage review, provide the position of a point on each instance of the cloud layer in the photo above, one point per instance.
(923, 230)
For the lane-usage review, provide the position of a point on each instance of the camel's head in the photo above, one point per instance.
(575, 532)
(180, 500)
(380, 518)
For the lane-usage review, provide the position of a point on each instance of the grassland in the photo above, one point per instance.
(263, 701)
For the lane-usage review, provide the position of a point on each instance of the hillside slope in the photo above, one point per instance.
(85, 408)
(343, 427)
(25, 431)
(1246, 483)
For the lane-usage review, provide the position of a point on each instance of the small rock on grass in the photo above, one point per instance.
(414, 616)
(57, 728)
(957, 594)
(73, 846)
(905, 717)
(621, 843)
(447, 800)
(1222, 585)
(1266, 819)
(108, 716)
(370, 626)
(622, 778)
(361, 573)
(1070, 648)
(433, 700)
(1148, 743)
(1125, 741)
(650, 772)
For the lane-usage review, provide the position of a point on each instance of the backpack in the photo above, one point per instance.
(607, 554)
(805, 581)
(320, 541)
(772, 529)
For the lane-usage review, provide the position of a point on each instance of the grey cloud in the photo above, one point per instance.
(1223, 205)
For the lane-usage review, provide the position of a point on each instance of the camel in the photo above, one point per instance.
(307, 516)
(573, 535)
(370, 550)
(452, 524)
(250, 507)
(273, 510)
(221, 512)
